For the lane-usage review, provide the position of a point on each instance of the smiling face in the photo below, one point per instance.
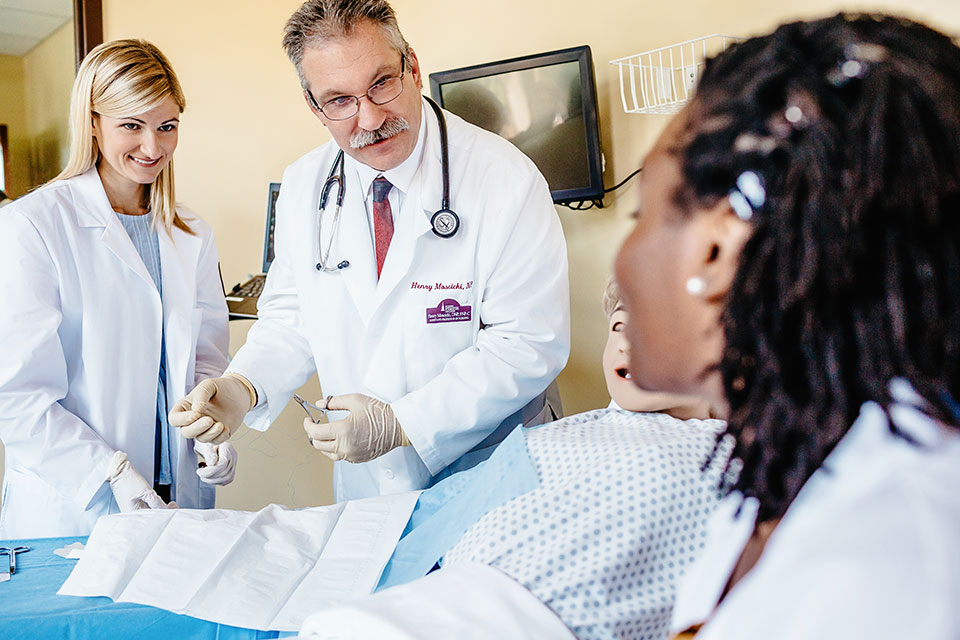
(134, 149)
(350, 66)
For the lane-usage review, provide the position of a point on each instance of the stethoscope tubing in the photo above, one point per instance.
(445, 222)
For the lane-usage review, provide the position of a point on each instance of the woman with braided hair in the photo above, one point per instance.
(797, 261)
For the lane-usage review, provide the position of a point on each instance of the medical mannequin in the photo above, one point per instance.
(617, 516)
(434, 336)
(113, 308)
(795, 261)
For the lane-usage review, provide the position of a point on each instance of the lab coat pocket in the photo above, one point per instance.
(444, 326)
(33, 509)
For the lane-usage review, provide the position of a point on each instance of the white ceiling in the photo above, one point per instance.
(25, 23)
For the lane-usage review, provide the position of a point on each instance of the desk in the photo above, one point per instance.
(31, 609)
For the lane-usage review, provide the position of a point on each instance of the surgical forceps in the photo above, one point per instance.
(309, 405)
(12, 554)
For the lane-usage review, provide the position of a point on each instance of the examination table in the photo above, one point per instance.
(31, 609)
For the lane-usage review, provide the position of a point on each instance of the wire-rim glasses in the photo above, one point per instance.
(345, 107)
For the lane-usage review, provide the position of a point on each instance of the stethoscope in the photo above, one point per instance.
(445, 222)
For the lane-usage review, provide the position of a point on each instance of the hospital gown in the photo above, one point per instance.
(618, 516)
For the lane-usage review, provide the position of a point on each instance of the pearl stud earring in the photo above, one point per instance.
(696, 286)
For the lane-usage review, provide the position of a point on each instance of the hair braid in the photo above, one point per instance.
(852, 275)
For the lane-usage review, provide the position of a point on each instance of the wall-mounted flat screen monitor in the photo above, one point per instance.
(545, 104)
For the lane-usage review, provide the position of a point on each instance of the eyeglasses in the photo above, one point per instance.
(345, 107)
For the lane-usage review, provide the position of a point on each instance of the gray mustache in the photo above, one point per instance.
(388, 129)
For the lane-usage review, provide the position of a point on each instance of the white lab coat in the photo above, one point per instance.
(451, 384)
(868, 549)
(468, 601)
(80, 331)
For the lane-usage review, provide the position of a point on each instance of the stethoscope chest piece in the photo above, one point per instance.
(445, 223)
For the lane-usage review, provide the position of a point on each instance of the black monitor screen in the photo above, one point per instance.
(273, 192)
(544, 104)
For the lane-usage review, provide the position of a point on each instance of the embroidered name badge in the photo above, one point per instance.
(449, 310)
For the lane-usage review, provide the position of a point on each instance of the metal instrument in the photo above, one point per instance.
(12, 555)
(309, 405)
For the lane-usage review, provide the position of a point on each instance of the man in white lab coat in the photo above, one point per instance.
(442, 343)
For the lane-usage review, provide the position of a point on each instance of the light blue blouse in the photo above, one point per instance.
(144, 237)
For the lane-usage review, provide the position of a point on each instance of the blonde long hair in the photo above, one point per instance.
(122, 78)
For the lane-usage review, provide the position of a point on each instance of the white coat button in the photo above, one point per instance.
(388, 474)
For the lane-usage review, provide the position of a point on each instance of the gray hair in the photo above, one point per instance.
(318, 21)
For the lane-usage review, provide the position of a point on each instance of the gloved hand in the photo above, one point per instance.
(130, 489)
(219, 464)
(368, 432)
(214, 409)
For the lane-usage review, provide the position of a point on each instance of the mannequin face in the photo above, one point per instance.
(627, 395)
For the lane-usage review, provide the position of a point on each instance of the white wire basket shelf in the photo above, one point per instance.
(663, 80)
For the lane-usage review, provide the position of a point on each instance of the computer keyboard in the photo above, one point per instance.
(250, 288)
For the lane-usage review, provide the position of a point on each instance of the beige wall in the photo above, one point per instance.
(48, 76)
(35, 105)
(13, 113)
(245, 121)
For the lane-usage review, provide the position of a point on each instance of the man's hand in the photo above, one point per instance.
(130, 489)
(214, 409)
(219, 464)
(368, 432)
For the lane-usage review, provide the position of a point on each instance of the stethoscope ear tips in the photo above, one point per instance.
(445, 223)
(343, 264)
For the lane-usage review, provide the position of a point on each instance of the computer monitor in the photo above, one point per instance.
(272, 194)
(545, 104)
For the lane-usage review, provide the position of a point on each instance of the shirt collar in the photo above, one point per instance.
(401, 176)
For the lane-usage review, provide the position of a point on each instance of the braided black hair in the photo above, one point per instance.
(852, 275)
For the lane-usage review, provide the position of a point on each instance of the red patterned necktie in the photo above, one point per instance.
(382, 220)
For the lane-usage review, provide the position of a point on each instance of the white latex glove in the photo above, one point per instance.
(368, 432)
(214, 409)
(130, 489)
(219, 464)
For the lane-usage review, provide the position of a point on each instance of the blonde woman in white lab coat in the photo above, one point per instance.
(112, 308)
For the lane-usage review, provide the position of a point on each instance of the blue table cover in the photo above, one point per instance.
(446, 510)
(30, 608)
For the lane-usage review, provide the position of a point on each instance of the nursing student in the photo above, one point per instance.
(112, 309)
(436, 324)
(797, 261)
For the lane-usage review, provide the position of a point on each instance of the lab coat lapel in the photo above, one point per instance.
(178, 257)
(354, 243)
(94, 210)
(414, 219)
(411, 224)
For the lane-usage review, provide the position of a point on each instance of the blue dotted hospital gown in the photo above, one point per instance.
(618, 516)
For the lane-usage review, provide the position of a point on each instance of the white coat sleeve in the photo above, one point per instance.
(51, 442)
(470, 601)
(276, 356)
(885, 569)
(214, 339)
(523, 342)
